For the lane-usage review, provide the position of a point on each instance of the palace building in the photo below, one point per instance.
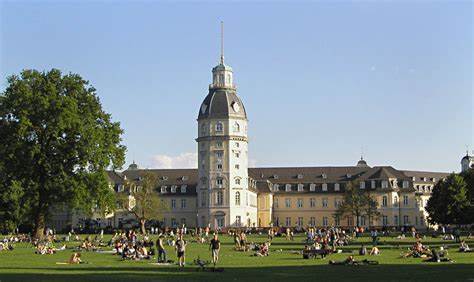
(224, 192)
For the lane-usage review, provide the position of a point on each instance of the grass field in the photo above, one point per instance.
(23, 265)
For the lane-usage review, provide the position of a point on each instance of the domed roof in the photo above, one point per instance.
(221, 67)
(361, 163)
(222, 103)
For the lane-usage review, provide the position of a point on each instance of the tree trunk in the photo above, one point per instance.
(38, 231)
(142, 226)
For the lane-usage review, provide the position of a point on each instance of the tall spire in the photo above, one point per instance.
(222, 42)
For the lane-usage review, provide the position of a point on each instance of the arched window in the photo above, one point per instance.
(237, 181)
(219, 126)
(236, 127)
(237, 198)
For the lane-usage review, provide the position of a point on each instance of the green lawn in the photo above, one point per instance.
(23, 265)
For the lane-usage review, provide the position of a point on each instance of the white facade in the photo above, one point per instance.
(224, 198)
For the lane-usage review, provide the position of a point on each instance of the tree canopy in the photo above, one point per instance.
(451, 201)
(356, 203)
(56, 143)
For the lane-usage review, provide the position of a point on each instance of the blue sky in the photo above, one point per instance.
(319, 80)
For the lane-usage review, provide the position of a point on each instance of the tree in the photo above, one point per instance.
(56, 143)
(142, 199)
(449, 202)
(356, 203)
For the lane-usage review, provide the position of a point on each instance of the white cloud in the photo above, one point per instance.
(184, 160)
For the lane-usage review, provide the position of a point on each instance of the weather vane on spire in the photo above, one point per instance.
(222, 42)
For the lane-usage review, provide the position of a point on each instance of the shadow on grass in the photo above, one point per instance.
(420, 272)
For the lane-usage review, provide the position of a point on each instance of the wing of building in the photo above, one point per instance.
(223, 191)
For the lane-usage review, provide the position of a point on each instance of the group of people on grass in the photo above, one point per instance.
(131, 246)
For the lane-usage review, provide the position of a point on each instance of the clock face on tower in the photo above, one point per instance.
(236, 107)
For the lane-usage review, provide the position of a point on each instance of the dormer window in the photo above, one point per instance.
(384, 184)
(163, 189)
(325, 187)
(433, 179)
(173, 189)
(337, 187)
(324, 176)
(405, 184)
(299, 176)
(183, 188)
(275, 176)
(348, 175)
(373, 184)
(312, 187)
(164, 178)
(184, 178)
(288, 187)
(300, 187)
(276, 187)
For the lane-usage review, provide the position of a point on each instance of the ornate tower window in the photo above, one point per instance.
(237, 198)
(236, 127)
(219, 126)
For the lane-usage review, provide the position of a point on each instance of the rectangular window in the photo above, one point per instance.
(288, 221)
(203, 199)
(362, 220)
(372, 183)
(362, 185)
(312, 221)
(288, 187)
(405, 219)
(337, 220)
(288, 203)
(300, 221)
(174, 223)
(337, 187)
(219, 166)
(312, 202)
(325, 187)
(237, 166)
(325, 203)
(384, 220)
(220, 198)
(395, 220)
(384, 184)
(238, 220)
(312, 187)
(325, 221)
(384, 201)
(405, 200)
(183, 203)
(219, 181)
(300, 203)
(173, 203)
(275, 203)
(219, 154)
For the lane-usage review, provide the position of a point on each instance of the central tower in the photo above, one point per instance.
(224, 198)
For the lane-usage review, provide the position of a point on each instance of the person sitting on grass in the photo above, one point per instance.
(464, 247)
(75, 259)
(362, 250)
(263, 250)
(437, 257)
(375, 251)
(416, 251)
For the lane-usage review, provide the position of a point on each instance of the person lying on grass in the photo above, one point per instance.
(351, 261)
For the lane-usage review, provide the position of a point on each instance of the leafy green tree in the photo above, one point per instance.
(142, 200)
(357, 203)
(56, 143)
(449, 202)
